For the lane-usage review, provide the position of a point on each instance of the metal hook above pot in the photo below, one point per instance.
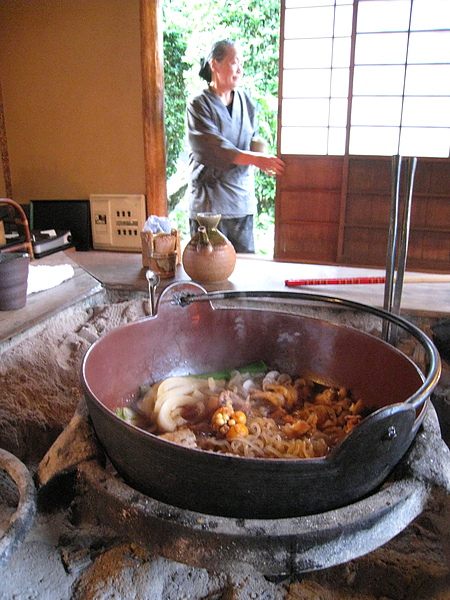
(153, 282)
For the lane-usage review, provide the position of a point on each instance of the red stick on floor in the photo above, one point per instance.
(339, 281)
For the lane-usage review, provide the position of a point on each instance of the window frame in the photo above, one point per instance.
(348, 147)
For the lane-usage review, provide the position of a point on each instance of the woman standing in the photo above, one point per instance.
(221, 125)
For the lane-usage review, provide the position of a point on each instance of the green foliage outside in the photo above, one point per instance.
(175, 95)
(190, 29)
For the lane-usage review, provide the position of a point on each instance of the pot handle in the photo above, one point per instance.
(384, 437)
(180, 293)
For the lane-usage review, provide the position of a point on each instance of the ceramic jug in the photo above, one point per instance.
(209, 257)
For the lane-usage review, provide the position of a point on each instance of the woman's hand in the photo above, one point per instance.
(270, 164)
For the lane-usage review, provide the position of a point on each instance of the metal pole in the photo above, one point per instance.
(404, 235)
(396, 167)
(398, 240)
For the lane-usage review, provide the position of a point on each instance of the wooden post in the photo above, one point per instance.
(153, 106)
(4, 149)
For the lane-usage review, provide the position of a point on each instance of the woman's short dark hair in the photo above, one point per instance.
(218, 52)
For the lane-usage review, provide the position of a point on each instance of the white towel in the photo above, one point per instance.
(44, 277)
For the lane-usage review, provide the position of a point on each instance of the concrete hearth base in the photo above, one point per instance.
(275, 547)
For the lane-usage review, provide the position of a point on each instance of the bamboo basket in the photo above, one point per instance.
(148, 246)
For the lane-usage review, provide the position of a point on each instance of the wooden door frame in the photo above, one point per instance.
(152, 66)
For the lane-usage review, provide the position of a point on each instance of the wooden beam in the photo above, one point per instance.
(153, 106)
(4, 150)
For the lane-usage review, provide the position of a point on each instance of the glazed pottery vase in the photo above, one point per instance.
(209, 257)
(13, 280)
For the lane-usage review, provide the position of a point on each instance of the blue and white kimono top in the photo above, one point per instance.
(216, 184)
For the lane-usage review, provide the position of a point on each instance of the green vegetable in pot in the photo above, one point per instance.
(253, 369)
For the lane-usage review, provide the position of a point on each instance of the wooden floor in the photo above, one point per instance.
(96, 270)
(429, 294)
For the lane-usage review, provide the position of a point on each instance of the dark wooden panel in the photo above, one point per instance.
(369, 175)
(365, 247)
(432, 176)
(368, 210)
(430, 213)
(419, 210)
(430, 248)
(314, 242)
(327, 214)
(310, 205)
(440, 178)
(312, 172)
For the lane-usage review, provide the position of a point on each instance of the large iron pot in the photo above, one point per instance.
(190, 335)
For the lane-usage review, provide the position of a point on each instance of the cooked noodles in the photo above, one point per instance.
(268, 415)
